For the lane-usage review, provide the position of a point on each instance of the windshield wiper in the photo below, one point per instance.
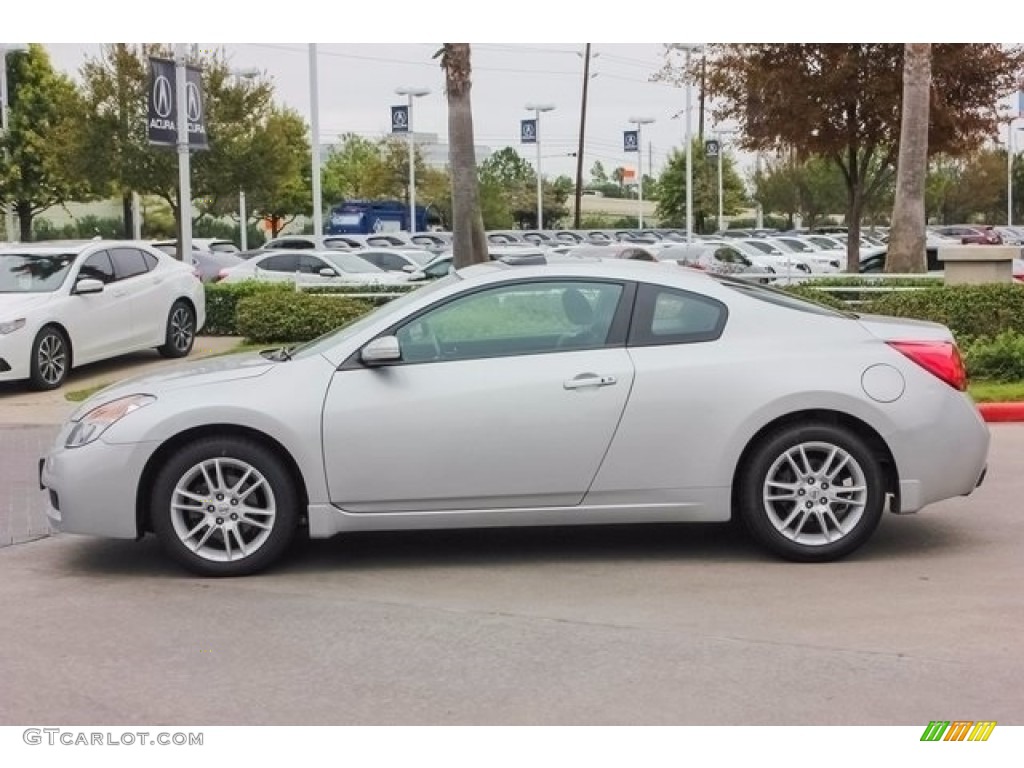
(283, 354)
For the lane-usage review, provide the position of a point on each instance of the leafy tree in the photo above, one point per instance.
(36, 172)
(254, 146)
(469, 241)
(598, 175)
(812, 188)
(907, 239)
(352, 170)
(280, 188)
(671, 211)
(842, 101)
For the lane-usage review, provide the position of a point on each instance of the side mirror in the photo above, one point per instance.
(409, 268)
(383, 350)
(88, 285)
(328, 272)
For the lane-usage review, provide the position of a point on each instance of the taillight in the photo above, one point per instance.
(941, 358)
(221, 275)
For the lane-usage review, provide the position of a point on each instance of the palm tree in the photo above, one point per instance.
(907, 239)
(469, 242)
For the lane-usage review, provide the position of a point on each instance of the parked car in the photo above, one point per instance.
(66, 303)
(209, 264)
(207, 244)
(326, 267)
(396, 259)
(980, 235)
(558, 394)
(722, 259)
(310, 242)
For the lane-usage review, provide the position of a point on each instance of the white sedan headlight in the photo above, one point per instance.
(11, 326)
(95, 422)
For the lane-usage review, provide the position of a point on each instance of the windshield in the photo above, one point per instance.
(338, 335)
(33, 272)
(349, 262)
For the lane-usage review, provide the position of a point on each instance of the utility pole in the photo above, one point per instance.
(703, 74)
(583, 129)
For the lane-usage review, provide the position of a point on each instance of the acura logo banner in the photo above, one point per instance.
(162, 114)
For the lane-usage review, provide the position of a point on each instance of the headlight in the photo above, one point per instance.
(11, 326)
(95, 422)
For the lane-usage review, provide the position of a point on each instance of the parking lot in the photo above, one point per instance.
(633, 625)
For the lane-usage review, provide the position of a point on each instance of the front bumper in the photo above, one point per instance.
(92, 489)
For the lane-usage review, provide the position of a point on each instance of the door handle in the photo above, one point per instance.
(588, 380)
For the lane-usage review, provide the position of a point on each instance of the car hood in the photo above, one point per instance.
(215, 370)
(14, 305)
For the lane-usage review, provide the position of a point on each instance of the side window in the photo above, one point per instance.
(670, 316)
(520, 319)
(282, 262)
(151, 260)
(98, 267)
(128, 262)
(311, 265)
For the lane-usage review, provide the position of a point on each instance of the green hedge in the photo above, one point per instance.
(996, 359)
(222, 301)
(970, 311)
(821, 297)
(289, 316)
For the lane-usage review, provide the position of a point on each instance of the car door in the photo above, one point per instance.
(100, 324)
(146, 294)
(279, 267)
(506, 397)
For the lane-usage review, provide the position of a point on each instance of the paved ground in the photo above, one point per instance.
(642, 625)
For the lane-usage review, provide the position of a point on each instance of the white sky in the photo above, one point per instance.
(358, 79)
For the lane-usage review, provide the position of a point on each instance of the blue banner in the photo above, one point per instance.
(631, 141)
(528, 131)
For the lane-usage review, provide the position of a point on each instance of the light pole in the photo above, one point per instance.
(243, 234)
(689, 49)
(639, 122)
(412, 93)
(314, 127)
(1009, 171)
(719, 134)
(184, 160)
(6, 48)
(537, 109)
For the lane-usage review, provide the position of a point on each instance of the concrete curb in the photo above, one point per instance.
(1001, 412)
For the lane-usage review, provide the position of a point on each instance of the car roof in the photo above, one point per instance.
(48, 247)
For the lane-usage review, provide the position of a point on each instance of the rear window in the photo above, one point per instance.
(779, 298)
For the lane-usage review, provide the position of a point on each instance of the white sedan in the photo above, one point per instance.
(319, 267)
(64, 304)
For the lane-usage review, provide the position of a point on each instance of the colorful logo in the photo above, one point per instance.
(958, 730)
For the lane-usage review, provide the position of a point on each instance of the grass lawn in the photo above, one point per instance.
(996, 391)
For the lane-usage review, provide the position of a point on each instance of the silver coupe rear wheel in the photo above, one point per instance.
(815, 493)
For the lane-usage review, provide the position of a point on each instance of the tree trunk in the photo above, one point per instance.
(23, 210)
(126, 213)
(469, 243)
(854, 210)
(907, 239)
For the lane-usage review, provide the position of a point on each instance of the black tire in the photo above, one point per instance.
(229, 521)
(181, 331)
(831, 528)
(51, 359)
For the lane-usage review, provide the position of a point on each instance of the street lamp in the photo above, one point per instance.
(689, 49)
(244, 74)
(412, 93)
(314, 129)
(639, 122)
(6, 48)
(537, 109)
(719, 133)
